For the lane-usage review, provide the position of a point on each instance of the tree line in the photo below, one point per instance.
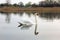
(29, 4)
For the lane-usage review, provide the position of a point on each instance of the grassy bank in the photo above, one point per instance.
(37, 9)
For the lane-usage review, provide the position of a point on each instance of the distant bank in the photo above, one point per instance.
(36, 9)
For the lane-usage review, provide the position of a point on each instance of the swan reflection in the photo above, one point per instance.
(25, 24)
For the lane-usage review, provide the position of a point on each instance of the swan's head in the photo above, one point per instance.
(36, 14)
(36, 33)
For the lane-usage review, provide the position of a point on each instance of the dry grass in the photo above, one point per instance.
(37, 9)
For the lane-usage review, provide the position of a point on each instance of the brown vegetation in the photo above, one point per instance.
(36, 9)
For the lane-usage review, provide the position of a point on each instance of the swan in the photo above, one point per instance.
(27, 24)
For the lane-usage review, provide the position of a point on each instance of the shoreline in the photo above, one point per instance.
(36, 9)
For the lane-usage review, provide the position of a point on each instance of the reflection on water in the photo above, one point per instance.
(40, 29)
(7, 17)
(50, 16)
(21, 13)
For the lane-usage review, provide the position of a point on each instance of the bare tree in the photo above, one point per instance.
(21, 4)
(8, 1)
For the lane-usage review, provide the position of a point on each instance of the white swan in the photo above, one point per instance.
(27, 24)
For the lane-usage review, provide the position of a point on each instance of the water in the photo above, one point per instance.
(48, 26)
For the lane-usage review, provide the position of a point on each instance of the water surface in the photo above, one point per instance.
(48, 26)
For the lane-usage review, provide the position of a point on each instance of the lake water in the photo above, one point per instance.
(48, 26)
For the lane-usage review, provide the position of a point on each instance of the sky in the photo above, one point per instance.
(17, 1)
(24, 1)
